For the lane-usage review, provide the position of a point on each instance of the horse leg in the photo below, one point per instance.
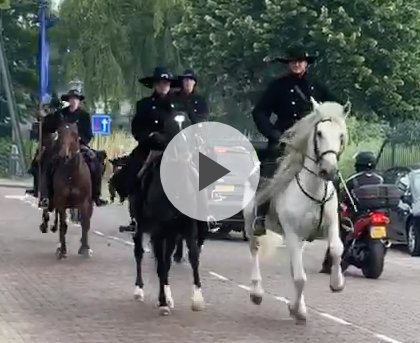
(61, 251)
(158, 248)
(138, 254)
(179, 250)
(297, 308)
(45, 219)
(194, 256)
(170, 246)
(256, 288)
(55, 226)
(336, 251)
(85, 213)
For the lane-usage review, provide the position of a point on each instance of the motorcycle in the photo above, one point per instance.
(366, 241)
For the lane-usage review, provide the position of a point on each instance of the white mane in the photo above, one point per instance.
(296, 141)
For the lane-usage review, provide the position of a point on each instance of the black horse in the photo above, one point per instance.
(155, 214)
(117, 185)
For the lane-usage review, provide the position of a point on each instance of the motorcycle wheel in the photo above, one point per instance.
(374, 263)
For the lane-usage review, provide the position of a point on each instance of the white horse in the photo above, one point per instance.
(303, 200)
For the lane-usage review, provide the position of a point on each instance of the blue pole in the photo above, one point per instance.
(43, 52)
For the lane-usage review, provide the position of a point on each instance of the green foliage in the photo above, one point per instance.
(369, 51)
(109, 44)
(5, 144)
(20, 41)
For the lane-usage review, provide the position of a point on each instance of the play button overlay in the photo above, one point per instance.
(206, 172)
(209, 171)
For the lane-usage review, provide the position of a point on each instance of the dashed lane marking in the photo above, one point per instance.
(386, 338)
(334, 318)
(320, 313)
(220, 277)
(244, 287)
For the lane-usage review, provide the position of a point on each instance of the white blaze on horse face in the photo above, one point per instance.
(328, 140)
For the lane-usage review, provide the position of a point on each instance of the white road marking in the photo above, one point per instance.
(282, 299)
(99, 233)
(386, 338)
(334, 318)
(244, 287)
(16, 197)
(221, 277)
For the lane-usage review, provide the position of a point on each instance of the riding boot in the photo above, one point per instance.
(259, 221)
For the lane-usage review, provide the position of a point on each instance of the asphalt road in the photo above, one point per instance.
(90, 300)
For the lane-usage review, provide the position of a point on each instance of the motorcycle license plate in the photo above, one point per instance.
(225, 188)
(378, 232)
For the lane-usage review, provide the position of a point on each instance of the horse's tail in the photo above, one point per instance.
(268, 244)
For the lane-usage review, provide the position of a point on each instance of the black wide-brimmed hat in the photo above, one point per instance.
(297, 53)
(188, 74)
(159, 74)
(72, 93)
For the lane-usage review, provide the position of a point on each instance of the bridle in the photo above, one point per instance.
(318, 158)
(320, 155)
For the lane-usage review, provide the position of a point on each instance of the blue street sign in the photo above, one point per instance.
(101, 124)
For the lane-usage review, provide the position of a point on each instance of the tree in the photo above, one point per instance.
(109, 44)
(19, 30)
(369, 51)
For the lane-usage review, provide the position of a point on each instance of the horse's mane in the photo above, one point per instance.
(296, 142)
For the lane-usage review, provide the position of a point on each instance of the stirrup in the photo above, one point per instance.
(259, 226)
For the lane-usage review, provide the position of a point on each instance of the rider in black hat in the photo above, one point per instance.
(74, 114)
(188, 100)
(288, 99)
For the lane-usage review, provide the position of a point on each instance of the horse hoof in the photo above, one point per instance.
(337, 282)
(138, 294)
(337, 289)
(60, 254)
(44, 228)
(197, 303)
(256, 298)
(197, 306)
(86, 252)
(164, 311)
(297, 315)
(53, 228)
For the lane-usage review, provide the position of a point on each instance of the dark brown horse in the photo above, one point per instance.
(72, 188)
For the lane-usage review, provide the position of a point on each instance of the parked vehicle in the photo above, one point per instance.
(404, 228)
(229, 189)
(367, 241)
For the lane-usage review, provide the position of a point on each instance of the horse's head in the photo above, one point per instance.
(173, 126)
(321, 137)
(68, 140)
(329, 137)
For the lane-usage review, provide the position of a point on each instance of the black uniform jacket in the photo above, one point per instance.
(80, 116)
(288, 98)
